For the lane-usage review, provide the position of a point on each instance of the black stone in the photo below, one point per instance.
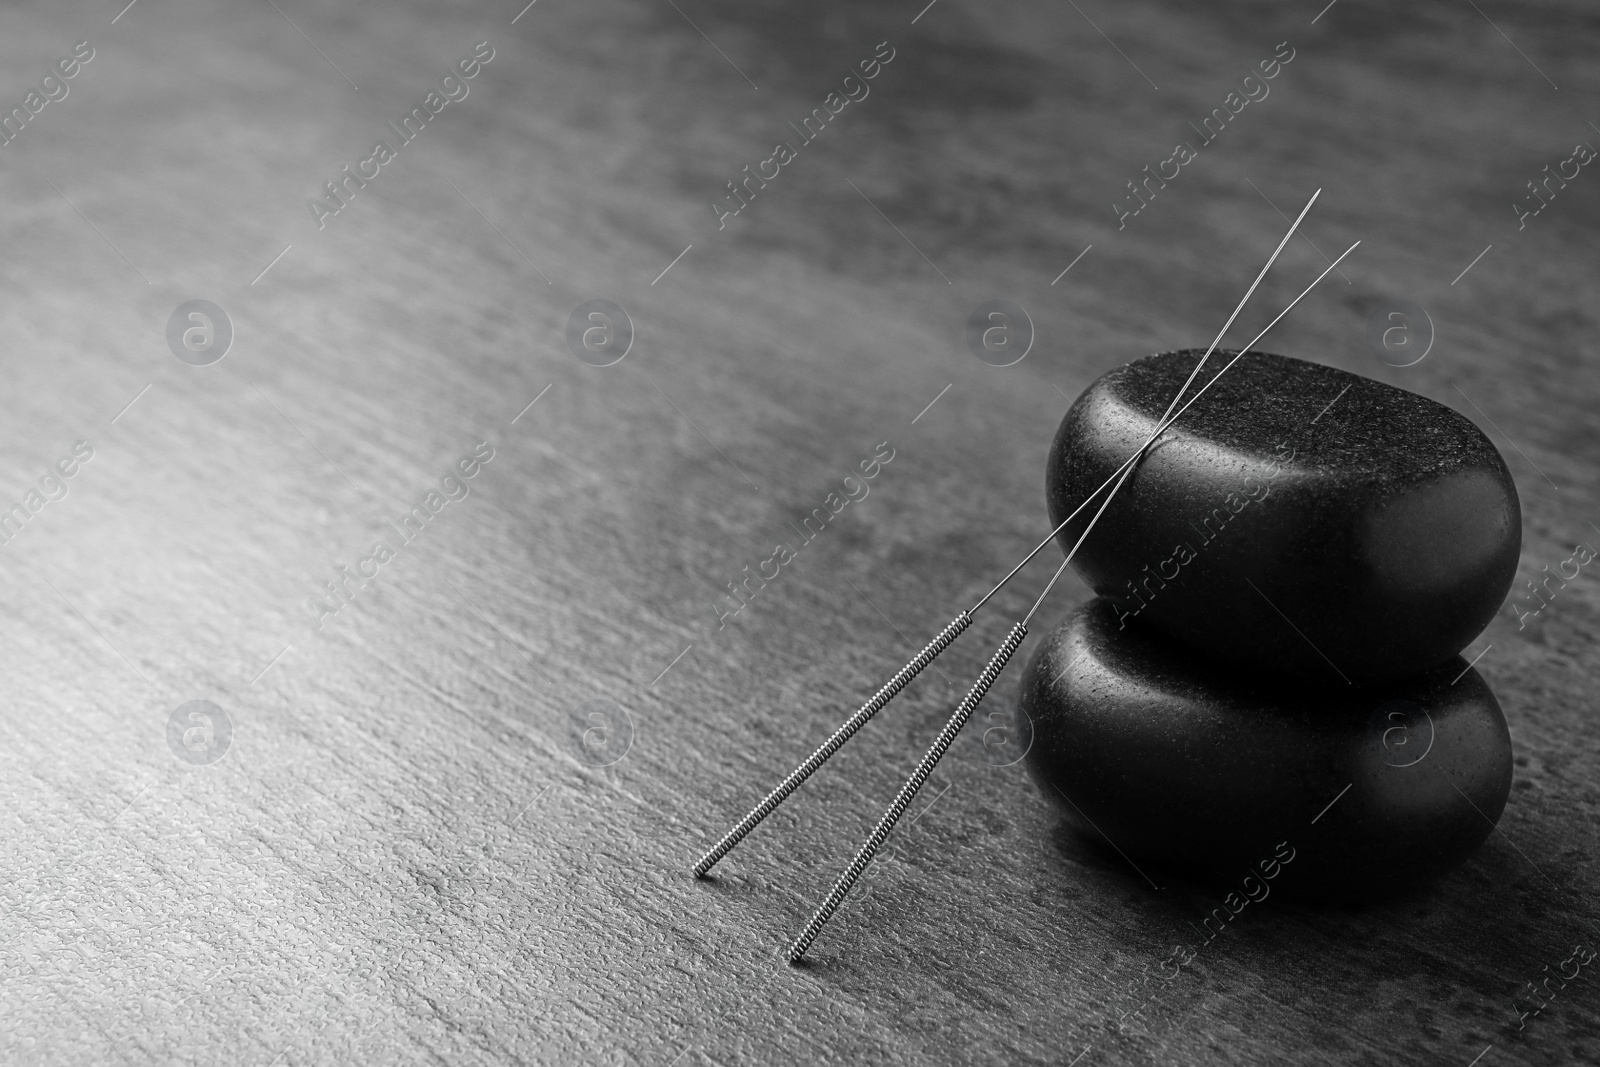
(1193, 770)
(1379, 534)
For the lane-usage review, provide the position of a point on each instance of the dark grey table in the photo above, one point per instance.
(405, 851)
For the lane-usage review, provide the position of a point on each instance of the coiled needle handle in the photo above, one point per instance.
(946, 737)
(960, 623)
(930, 760)
(833, 743)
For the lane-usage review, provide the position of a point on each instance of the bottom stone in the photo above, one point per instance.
(1195, 769)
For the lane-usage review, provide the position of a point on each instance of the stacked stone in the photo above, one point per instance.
(1285, 585)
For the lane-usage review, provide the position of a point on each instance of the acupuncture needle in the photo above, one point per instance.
(936, 751)
(954, 629)
(986, 678)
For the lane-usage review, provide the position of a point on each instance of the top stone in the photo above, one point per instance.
(1298, 519)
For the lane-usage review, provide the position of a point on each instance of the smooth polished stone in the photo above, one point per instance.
(1187, 768)
(1298, 518)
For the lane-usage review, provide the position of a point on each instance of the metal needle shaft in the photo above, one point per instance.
(1166, 421)
(1238, 355)
(954, 629)
(935, 753)
(1189, 381)
(997, 663)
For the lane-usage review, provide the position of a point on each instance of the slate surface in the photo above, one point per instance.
(404, 853)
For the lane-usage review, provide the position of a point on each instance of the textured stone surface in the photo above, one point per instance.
(403, 859)
(1298, 518)
(1199, 770)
